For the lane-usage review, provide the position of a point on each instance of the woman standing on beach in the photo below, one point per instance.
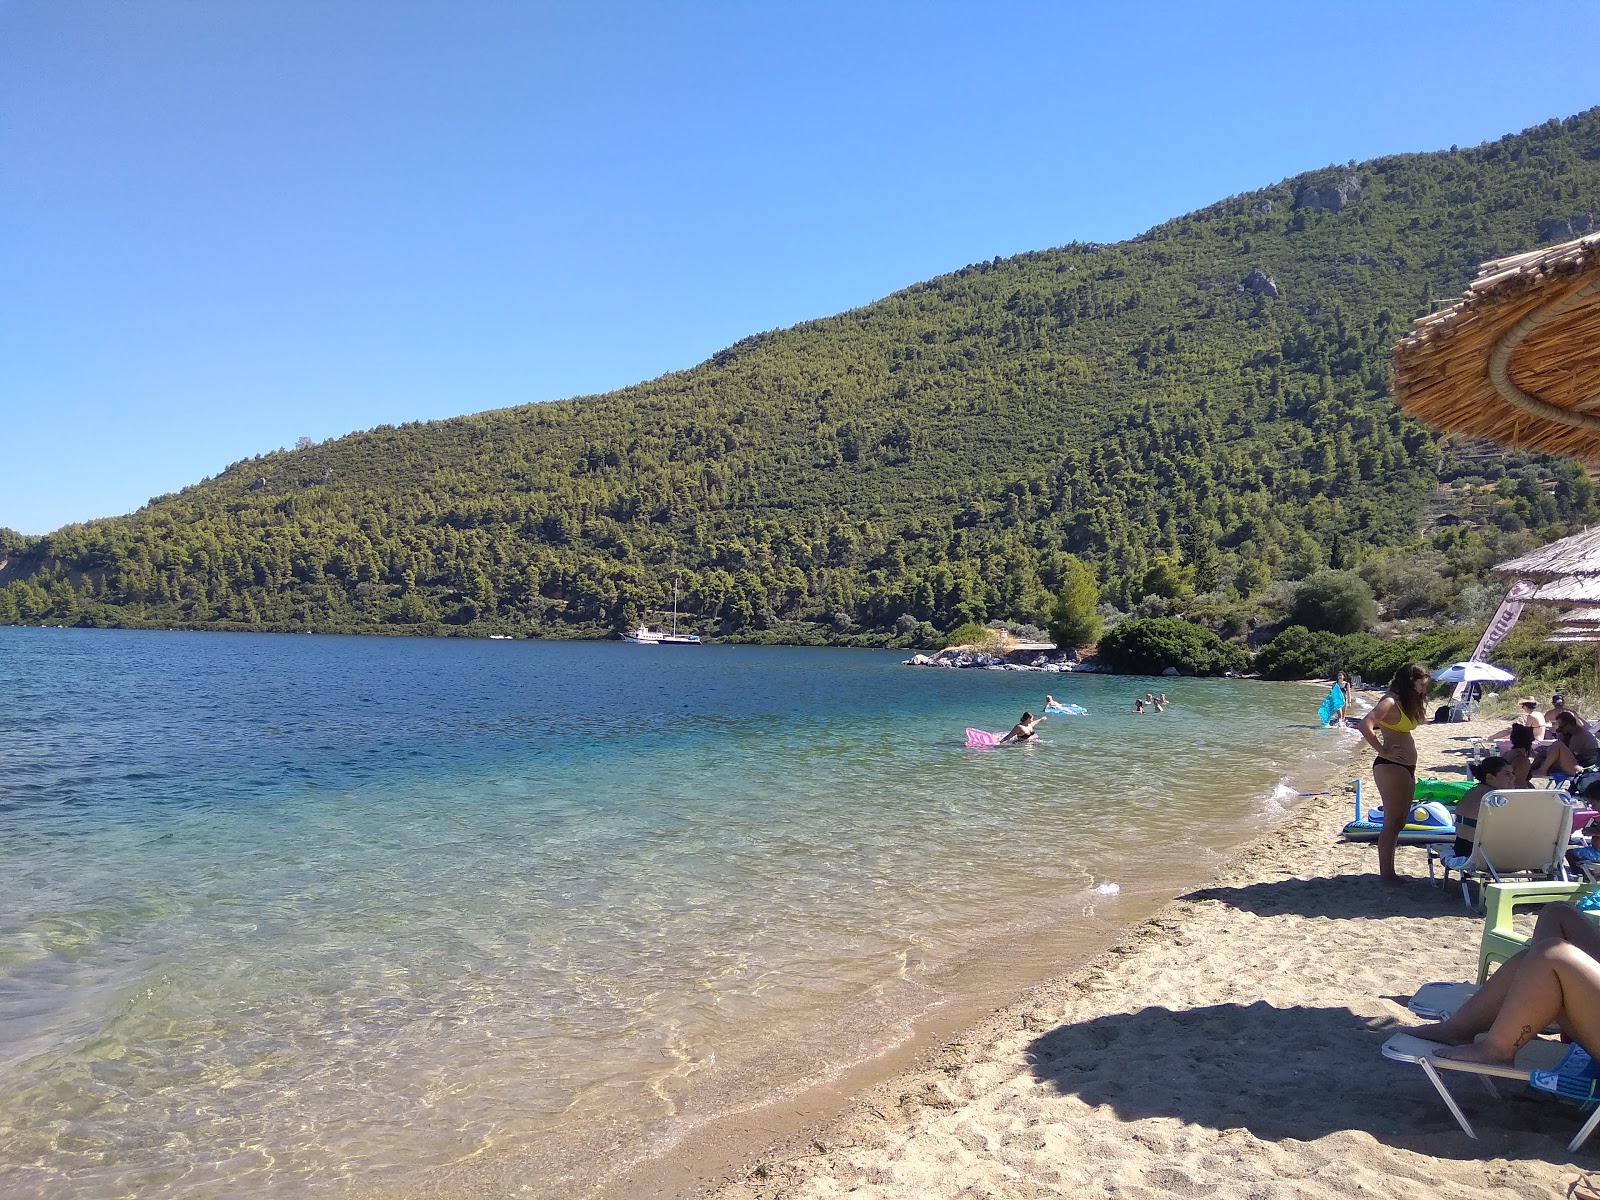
(1387, 729)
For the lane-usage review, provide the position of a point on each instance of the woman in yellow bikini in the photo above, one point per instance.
(1387, 729)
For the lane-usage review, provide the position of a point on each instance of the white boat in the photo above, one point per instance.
(645, 635)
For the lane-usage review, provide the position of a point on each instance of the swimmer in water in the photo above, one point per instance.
(1023, 730)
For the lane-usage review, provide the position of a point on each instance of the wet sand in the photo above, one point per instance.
(1227, 1047)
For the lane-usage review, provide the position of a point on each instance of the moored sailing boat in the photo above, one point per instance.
(646, 636)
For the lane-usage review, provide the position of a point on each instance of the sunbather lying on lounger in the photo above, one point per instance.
(1557, 978)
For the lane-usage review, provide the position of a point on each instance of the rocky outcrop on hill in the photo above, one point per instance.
(1564, 229)
(1330, 196)
(1259, 282)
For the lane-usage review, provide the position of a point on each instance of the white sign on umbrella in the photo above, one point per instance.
(1473, 672)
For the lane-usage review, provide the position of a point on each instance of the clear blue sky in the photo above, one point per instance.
(227, 225)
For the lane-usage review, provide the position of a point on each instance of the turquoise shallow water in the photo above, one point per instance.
(286, 914)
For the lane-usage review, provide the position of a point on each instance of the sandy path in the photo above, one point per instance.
(1226, 1048)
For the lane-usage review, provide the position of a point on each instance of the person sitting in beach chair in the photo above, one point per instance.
(1558, 705)
(1530, 718)
(1575, 748)
(1520, 755)
(1590, 854)
(1023, 730)
(1555, 980)
(1493, 774)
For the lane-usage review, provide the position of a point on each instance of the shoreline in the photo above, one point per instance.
(1227, 1044)
(727, 1152)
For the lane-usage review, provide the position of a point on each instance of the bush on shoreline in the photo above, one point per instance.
(1147, 646)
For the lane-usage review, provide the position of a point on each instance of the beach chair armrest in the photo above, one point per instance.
(1500, 899)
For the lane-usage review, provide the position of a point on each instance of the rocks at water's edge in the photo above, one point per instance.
(955, 656)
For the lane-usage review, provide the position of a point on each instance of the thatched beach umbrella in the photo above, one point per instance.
(1517, 359)
(1577, 556)
(1576, 589)
(1579, 620)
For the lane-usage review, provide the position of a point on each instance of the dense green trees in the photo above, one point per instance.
(936, 458)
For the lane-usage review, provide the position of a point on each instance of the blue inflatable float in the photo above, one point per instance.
(1429, 821)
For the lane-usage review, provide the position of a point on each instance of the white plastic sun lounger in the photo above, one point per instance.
(1541, 1054)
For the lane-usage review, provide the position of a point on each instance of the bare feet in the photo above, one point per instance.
(1476, 1052)
(1391, 880)
(1440, 1031)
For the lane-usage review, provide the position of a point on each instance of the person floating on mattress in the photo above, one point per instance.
(1557, 978)
(1023, 730)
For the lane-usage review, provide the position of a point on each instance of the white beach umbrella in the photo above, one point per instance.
(1473, 672)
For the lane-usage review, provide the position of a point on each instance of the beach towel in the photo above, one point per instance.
(1331, 705)
(977, 737)
(1577, 1076)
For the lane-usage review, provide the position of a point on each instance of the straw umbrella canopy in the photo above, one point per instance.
(1577, 556)
(1577, 589)
(1517, 359)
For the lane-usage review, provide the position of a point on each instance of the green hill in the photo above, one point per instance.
(1202, 408)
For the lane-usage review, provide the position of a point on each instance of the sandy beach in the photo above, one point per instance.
(1227, 1047)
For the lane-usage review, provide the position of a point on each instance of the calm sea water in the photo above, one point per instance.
(284, 914)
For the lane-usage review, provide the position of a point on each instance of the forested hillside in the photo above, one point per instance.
(1195, 413)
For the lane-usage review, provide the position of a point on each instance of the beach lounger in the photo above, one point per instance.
(1437, 1001)
(1522, 833)
(1540, 1055)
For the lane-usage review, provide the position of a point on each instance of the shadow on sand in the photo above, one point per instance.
(1286, 1073)
(1343, 897)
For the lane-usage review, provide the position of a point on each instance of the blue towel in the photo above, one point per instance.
(1576, 1076)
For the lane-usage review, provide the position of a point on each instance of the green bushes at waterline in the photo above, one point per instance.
(1149, 646)
(1301, 653)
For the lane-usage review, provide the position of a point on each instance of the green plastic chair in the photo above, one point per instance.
(1499, 940)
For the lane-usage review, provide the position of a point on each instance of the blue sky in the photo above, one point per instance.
(227, 225)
